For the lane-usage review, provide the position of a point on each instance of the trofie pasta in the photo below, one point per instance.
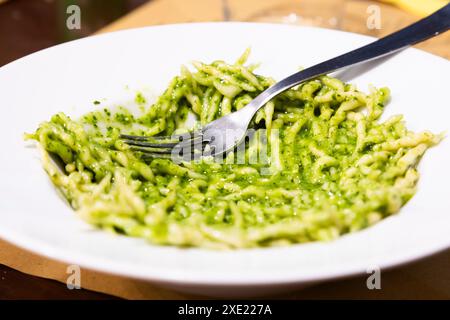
(331, 166)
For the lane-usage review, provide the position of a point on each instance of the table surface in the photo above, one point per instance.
(426, 279)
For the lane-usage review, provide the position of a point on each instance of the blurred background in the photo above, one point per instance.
(30, 25)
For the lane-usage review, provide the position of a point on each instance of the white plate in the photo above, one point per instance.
(69, 77)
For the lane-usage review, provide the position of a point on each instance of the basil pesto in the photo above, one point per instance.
(333, 166)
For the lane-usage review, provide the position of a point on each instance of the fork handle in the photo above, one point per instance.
(426, 28)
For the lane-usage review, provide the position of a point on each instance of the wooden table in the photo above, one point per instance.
(426, 279)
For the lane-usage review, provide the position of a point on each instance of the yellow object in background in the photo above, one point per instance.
(419, 7)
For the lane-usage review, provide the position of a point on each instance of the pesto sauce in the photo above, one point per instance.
(333, 168)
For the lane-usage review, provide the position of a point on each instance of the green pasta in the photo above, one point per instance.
(331, 166)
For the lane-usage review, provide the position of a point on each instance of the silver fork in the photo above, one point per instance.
(222, 135)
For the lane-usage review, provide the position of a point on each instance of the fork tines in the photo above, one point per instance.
(164, 146)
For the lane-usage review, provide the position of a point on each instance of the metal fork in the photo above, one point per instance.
(222, 135)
